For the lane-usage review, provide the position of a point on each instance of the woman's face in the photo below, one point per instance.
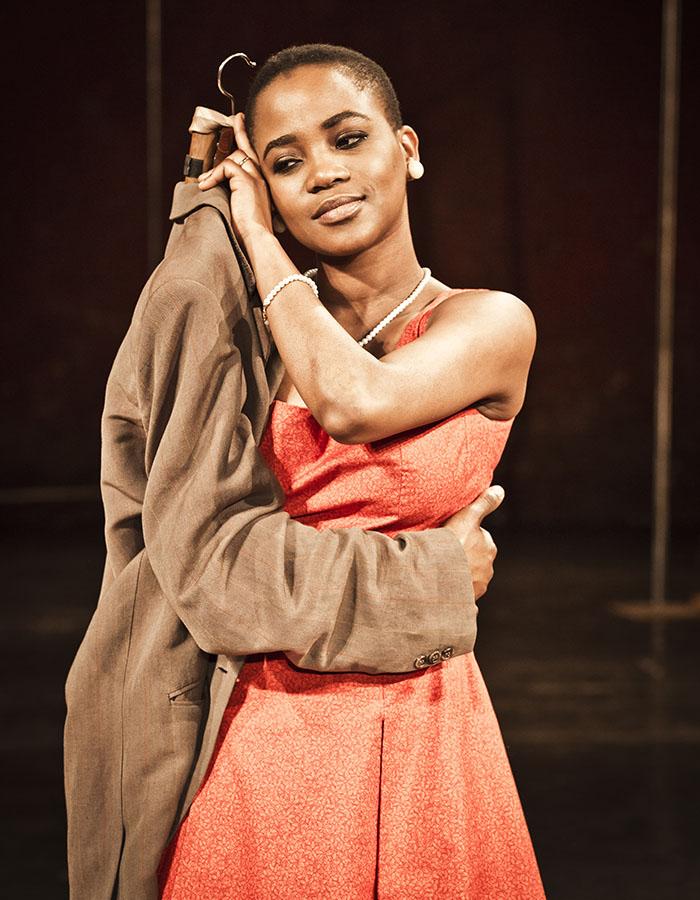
(311, 150)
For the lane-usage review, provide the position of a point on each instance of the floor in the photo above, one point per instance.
(600, 714)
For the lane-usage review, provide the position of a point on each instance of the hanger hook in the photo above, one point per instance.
(228, 59)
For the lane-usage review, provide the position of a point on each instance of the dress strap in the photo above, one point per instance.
(417, 325)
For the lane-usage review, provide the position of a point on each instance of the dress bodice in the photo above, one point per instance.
(409, 481)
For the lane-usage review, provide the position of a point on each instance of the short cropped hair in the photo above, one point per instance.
(363, 71)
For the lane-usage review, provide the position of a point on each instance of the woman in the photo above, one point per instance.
(398, 399)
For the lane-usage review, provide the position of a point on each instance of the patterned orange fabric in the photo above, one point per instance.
(349, 786)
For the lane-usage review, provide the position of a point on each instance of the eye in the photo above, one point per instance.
(281, 168)
(344, 142)
(356, 137)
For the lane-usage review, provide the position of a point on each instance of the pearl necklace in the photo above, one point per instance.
(310, 273)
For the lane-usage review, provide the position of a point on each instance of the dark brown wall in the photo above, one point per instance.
(77, 253)
(538, 127)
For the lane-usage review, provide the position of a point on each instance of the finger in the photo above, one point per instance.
(487, 502)
(242, 140)
(225, 171)
(213, 176)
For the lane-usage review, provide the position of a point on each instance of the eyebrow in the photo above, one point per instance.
(285, 139)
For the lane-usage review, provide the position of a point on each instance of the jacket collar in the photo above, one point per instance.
(187, 198)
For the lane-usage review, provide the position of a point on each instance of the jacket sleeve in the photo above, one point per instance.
(240, 573)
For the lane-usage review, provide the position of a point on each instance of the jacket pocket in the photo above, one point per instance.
(190, 694)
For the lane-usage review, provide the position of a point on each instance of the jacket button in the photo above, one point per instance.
(420, 662)
(447, 652)
(434, 657)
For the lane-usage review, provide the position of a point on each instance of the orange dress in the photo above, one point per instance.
(350, 786)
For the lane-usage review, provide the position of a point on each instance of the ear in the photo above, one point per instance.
(408, 139)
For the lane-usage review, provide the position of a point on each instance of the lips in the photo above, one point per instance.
(334, 202)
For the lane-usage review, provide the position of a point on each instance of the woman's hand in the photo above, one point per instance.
(476, 541)
(251, 209)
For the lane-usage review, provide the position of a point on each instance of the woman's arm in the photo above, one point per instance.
(476, 351)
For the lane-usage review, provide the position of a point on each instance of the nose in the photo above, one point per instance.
(323, 171)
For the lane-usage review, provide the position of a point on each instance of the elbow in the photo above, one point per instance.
(348, 422)
(344, 428)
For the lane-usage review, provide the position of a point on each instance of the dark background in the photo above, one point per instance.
(539, 133)
(538, 126)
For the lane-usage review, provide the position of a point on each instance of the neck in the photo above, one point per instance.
(360, 290)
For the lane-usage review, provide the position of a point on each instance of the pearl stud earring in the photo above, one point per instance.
(415, 169)
(278, 225)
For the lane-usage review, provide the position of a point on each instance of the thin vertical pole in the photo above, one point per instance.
(154, 133)
(668, 168)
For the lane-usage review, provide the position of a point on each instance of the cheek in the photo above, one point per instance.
(387, 173)
(390, 187)
(282, 198)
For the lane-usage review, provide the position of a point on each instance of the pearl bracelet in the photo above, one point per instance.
(281, 284)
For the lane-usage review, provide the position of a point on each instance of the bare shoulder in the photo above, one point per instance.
(501, 311)
(490, 338)
(481, 301)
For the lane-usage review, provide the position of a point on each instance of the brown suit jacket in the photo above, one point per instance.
(203, 566)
